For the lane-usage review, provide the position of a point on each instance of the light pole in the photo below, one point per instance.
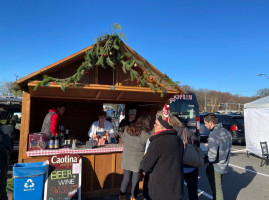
(263, 75)
(16, 76)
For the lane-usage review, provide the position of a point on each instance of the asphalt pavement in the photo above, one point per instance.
(246, 180)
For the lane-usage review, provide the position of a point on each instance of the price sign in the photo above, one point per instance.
(64, 178)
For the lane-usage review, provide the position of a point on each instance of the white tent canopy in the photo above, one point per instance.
(256, 124)
(260, 103)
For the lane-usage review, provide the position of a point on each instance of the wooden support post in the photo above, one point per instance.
(25, 124)
(113, 170)
(92, 160)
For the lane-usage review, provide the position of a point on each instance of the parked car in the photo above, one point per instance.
(232, 122)
(235, 124)
(10, 118)
(204, 132)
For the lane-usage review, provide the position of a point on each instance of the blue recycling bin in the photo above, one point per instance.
(29, 180)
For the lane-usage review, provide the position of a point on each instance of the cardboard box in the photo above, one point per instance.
(37, 141)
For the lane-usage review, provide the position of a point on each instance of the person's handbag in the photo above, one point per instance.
(193, 156)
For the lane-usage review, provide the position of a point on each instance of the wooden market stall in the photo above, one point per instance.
(102, 173)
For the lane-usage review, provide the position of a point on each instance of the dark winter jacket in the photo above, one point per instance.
(192, 139)
(164, 162)
(219, 148)
(5, 146)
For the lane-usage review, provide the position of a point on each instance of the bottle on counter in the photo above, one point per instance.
(61, 140)
(56, 142)
(51, 142)
(66, 134)
(74, 144)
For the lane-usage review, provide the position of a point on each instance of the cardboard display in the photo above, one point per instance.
(37, 141)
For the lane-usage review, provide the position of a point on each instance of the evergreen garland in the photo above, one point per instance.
(107, 52)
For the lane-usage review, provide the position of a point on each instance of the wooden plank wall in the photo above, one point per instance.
(101, 173)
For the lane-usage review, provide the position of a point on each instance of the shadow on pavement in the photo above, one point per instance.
(234, 182)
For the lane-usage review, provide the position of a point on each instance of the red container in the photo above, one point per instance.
(37, 141)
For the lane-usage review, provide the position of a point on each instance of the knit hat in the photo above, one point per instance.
(132, 112)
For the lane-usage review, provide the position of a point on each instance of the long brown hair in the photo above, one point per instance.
(142, 124)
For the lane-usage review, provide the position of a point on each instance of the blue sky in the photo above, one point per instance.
(212, 44)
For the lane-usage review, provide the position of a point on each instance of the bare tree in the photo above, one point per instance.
(263, 92)
(213, 101)
(6, 88)
(187, 88)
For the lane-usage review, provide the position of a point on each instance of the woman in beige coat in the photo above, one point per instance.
(135, 139)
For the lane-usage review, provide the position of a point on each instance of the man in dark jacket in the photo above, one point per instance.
(164, 161)
(5, 150)
(219, 150)
(51, 121)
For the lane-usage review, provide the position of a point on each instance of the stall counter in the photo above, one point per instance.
(108, 148)
(101, 168)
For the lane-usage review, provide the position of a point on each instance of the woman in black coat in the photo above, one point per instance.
(164, 161)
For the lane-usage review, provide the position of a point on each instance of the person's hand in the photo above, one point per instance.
(96, 136)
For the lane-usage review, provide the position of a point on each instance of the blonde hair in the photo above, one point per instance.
(175, 123)
(172, 120)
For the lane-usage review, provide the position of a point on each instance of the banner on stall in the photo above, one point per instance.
(63, 180)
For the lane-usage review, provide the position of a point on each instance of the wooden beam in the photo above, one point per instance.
(120, 95)
(102, 99)
(98, 94)
(25, 124)
(106, 87)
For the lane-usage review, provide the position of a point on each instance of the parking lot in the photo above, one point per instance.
(246, 180)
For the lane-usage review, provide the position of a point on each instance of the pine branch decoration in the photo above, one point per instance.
(106, 52)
